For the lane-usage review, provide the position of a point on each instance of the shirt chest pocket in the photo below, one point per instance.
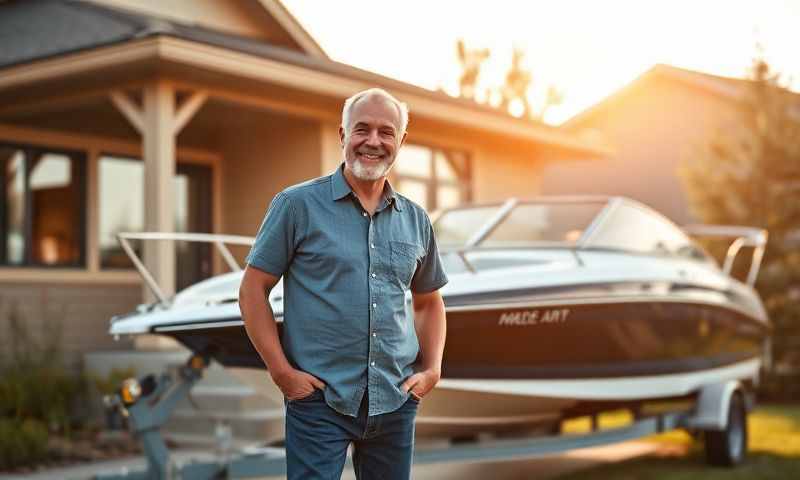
(404, 261)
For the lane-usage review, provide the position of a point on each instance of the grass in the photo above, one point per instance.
(774, 451)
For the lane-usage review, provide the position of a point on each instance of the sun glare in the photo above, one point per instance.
(585, 49)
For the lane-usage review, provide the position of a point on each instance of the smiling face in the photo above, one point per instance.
(372, 138)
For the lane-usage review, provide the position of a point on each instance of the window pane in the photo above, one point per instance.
(455, 227)
(414, 160)
(51, 171)
(121, 198)
(13, 161)
(414, 190)
(447, 196)
(444, 171)
(56, 210)
(532, 223)
(122, 210)
(630, 227)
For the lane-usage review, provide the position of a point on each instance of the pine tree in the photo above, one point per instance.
(748, 173)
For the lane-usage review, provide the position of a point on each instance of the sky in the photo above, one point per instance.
(587, 49)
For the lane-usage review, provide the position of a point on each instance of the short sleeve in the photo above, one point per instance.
(430, 274)
(274, 247)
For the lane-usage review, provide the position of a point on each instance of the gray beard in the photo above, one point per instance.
(370, 173)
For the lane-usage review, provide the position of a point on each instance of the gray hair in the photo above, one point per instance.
(401, 107)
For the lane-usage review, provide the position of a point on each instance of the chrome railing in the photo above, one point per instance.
(218, 240)
(743, 237)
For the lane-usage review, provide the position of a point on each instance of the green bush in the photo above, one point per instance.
(22, 442)
(38, 395)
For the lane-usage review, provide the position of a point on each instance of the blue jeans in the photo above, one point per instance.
(317, 438)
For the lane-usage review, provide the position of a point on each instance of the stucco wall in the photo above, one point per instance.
(654, 128)
(500, 174)
(258, 161)
(76, 312)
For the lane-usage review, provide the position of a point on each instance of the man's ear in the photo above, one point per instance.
(403, 140)
(341, 136)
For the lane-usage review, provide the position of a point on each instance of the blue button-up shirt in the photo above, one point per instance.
(345, 277)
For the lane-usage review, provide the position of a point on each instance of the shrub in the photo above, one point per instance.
(22, 442)
(37, 393)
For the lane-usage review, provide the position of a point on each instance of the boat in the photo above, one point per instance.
(556, 307)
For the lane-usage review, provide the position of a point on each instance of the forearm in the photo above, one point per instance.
(431, 327)
(262, 329)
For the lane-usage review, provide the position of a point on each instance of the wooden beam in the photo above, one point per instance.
(187, 110)
(128, 109)
(15, 106)
(265, 103)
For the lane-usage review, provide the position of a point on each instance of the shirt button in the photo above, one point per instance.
(374, 305)
(372, 363)
(374, 334)
(373, 275)
(371, 245)
(364, 214)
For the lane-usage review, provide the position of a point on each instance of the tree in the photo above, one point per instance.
(513, 94)
(471, 61)
(748, 173)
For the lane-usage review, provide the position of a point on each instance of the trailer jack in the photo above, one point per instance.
(147, 404)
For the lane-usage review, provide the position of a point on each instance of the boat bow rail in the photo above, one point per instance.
(742, 237)
(220, 241)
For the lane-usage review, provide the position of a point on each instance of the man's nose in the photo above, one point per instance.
(373, 138)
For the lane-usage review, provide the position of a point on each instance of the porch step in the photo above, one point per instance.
(252, 426)
(226, 398)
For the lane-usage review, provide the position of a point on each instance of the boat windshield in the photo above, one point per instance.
(555, 222)
(572, 222)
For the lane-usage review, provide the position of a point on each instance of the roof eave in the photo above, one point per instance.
(162, 48)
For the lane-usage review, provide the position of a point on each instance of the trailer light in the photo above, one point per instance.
(130, 391)
(197, 362)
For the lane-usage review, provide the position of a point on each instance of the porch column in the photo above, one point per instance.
(158, 120)
(158, 148)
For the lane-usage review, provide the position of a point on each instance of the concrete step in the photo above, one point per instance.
(227, 398)
(253, 426)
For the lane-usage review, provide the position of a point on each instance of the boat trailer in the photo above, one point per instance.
(720, 413)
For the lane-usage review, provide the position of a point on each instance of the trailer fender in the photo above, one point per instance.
(711, 411)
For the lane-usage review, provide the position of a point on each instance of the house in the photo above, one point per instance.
(189, 116)
(654, 124)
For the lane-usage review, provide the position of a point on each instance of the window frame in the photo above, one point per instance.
(181, 167)
(432, 183)
(78, 171)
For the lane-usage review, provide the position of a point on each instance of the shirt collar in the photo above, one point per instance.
(340, 189)
(339, 186)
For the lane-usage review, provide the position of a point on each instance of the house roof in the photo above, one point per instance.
(725, 87)
(31, 31)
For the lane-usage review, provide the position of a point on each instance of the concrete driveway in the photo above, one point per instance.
(546, 467)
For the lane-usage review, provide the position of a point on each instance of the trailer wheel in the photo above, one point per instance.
(727, 448)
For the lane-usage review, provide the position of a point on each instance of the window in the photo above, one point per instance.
(630, 227)
(532, 223)
(433, 178)
(121, 199)
(42, 222)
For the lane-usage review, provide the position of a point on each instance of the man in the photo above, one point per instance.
(351, 364)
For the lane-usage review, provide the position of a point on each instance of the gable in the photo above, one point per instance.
(264, 20)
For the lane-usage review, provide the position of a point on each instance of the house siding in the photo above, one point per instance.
(654, 128)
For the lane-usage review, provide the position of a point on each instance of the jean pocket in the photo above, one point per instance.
(315, 395)
(404, 261)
